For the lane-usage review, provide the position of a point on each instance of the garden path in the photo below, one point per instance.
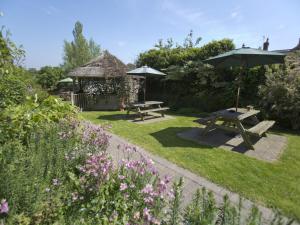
(191, 181)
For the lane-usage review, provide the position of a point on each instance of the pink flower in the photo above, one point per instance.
(148, 189)
(146, 214)
(4, 207)
(123, 186)
(121, 177)
(148, 200)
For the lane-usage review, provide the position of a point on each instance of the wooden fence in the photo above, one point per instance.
(95, 102)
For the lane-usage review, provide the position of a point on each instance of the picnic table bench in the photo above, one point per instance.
(232, 121)
(142, 109)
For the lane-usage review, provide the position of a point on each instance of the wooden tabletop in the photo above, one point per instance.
(147, 103)
(231, 114)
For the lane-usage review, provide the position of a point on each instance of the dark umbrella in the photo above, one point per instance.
(146, 71)
(245, 57)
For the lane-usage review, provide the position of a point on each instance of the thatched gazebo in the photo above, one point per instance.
(102, 84)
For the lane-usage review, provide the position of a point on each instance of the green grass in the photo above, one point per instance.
(272, 184)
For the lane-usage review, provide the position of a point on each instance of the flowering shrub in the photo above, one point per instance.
(132, 192)
(26, 170)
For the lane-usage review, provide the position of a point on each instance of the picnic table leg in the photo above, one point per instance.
(162, 112)
(128, 110)
(209, 126)
(140, 113)
(245, 136)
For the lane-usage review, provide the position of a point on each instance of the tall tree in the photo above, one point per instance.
(80, 50)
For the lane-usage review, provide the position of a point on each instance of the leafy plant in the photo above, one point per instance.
(48, 76)
(280, 96)
(19, 122)
(202, 209)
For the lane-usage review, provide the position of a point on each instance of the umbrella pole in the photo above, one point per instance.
(237, 98)
(145, 90)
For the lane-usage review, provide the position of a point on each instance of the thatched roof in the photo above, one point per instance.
(104, 66)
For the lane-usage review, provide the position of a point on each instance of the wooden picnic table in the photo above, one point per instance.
(143, 108)
(232, 121)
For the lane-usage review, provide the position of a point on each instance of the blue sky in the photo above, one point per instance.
(128, 27)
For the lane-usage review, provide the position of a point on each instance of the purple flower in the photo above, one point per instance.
(146, 214)
(123, 186)
(148, 189)
(4, 207)
(148, 200)
(121, 177)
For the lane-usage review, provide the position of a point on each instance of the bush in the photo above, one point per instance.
(27, 170)
(280, 96)
(12, 91)
(19, 122)
(48, 76)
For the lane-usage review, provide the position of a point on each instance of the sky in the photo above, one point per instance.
(129, 27)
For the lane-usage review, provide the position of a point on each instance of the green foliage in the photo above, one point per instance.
(193, 83)
(202, 209)
(164, 57)
(15, 82)
(10, 53)
(26, 170)
(19, 122)
(12, 91)
(280, 95)
(48, 76)
(199, 86)
(79, 51)
(174, 216)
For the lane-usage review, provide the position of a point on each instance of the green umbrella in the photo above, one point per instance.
(245, 57)
(146, 71)
(66, 80)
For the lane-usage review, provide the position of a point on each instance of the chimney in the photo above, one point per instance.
(298, 46)
(266, 45)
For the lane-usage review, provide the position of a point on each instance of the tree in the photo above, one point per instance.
(15, 82)
(80, 50)
(48, 76)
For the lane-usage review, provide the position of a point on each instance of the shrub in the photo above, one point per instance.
(280, 96)
(18, 122)
(48, 76)
(27, 170)
(12, 91)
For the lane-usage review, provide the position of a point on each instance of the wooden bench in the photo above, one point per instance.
(160, 109)
(261, 128)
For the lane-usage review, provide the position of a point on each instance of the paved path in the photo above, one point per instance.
(191, 181)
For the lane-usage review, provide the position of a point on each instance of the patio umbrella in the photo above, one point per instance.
(66, 80)
(146, 71)
(245, 57)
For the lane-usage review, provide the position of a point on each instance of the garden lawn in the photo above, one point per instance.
(272, 184)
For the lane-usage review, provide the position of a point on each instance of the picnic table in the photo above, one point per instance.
(232, 121)
(143, 108)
